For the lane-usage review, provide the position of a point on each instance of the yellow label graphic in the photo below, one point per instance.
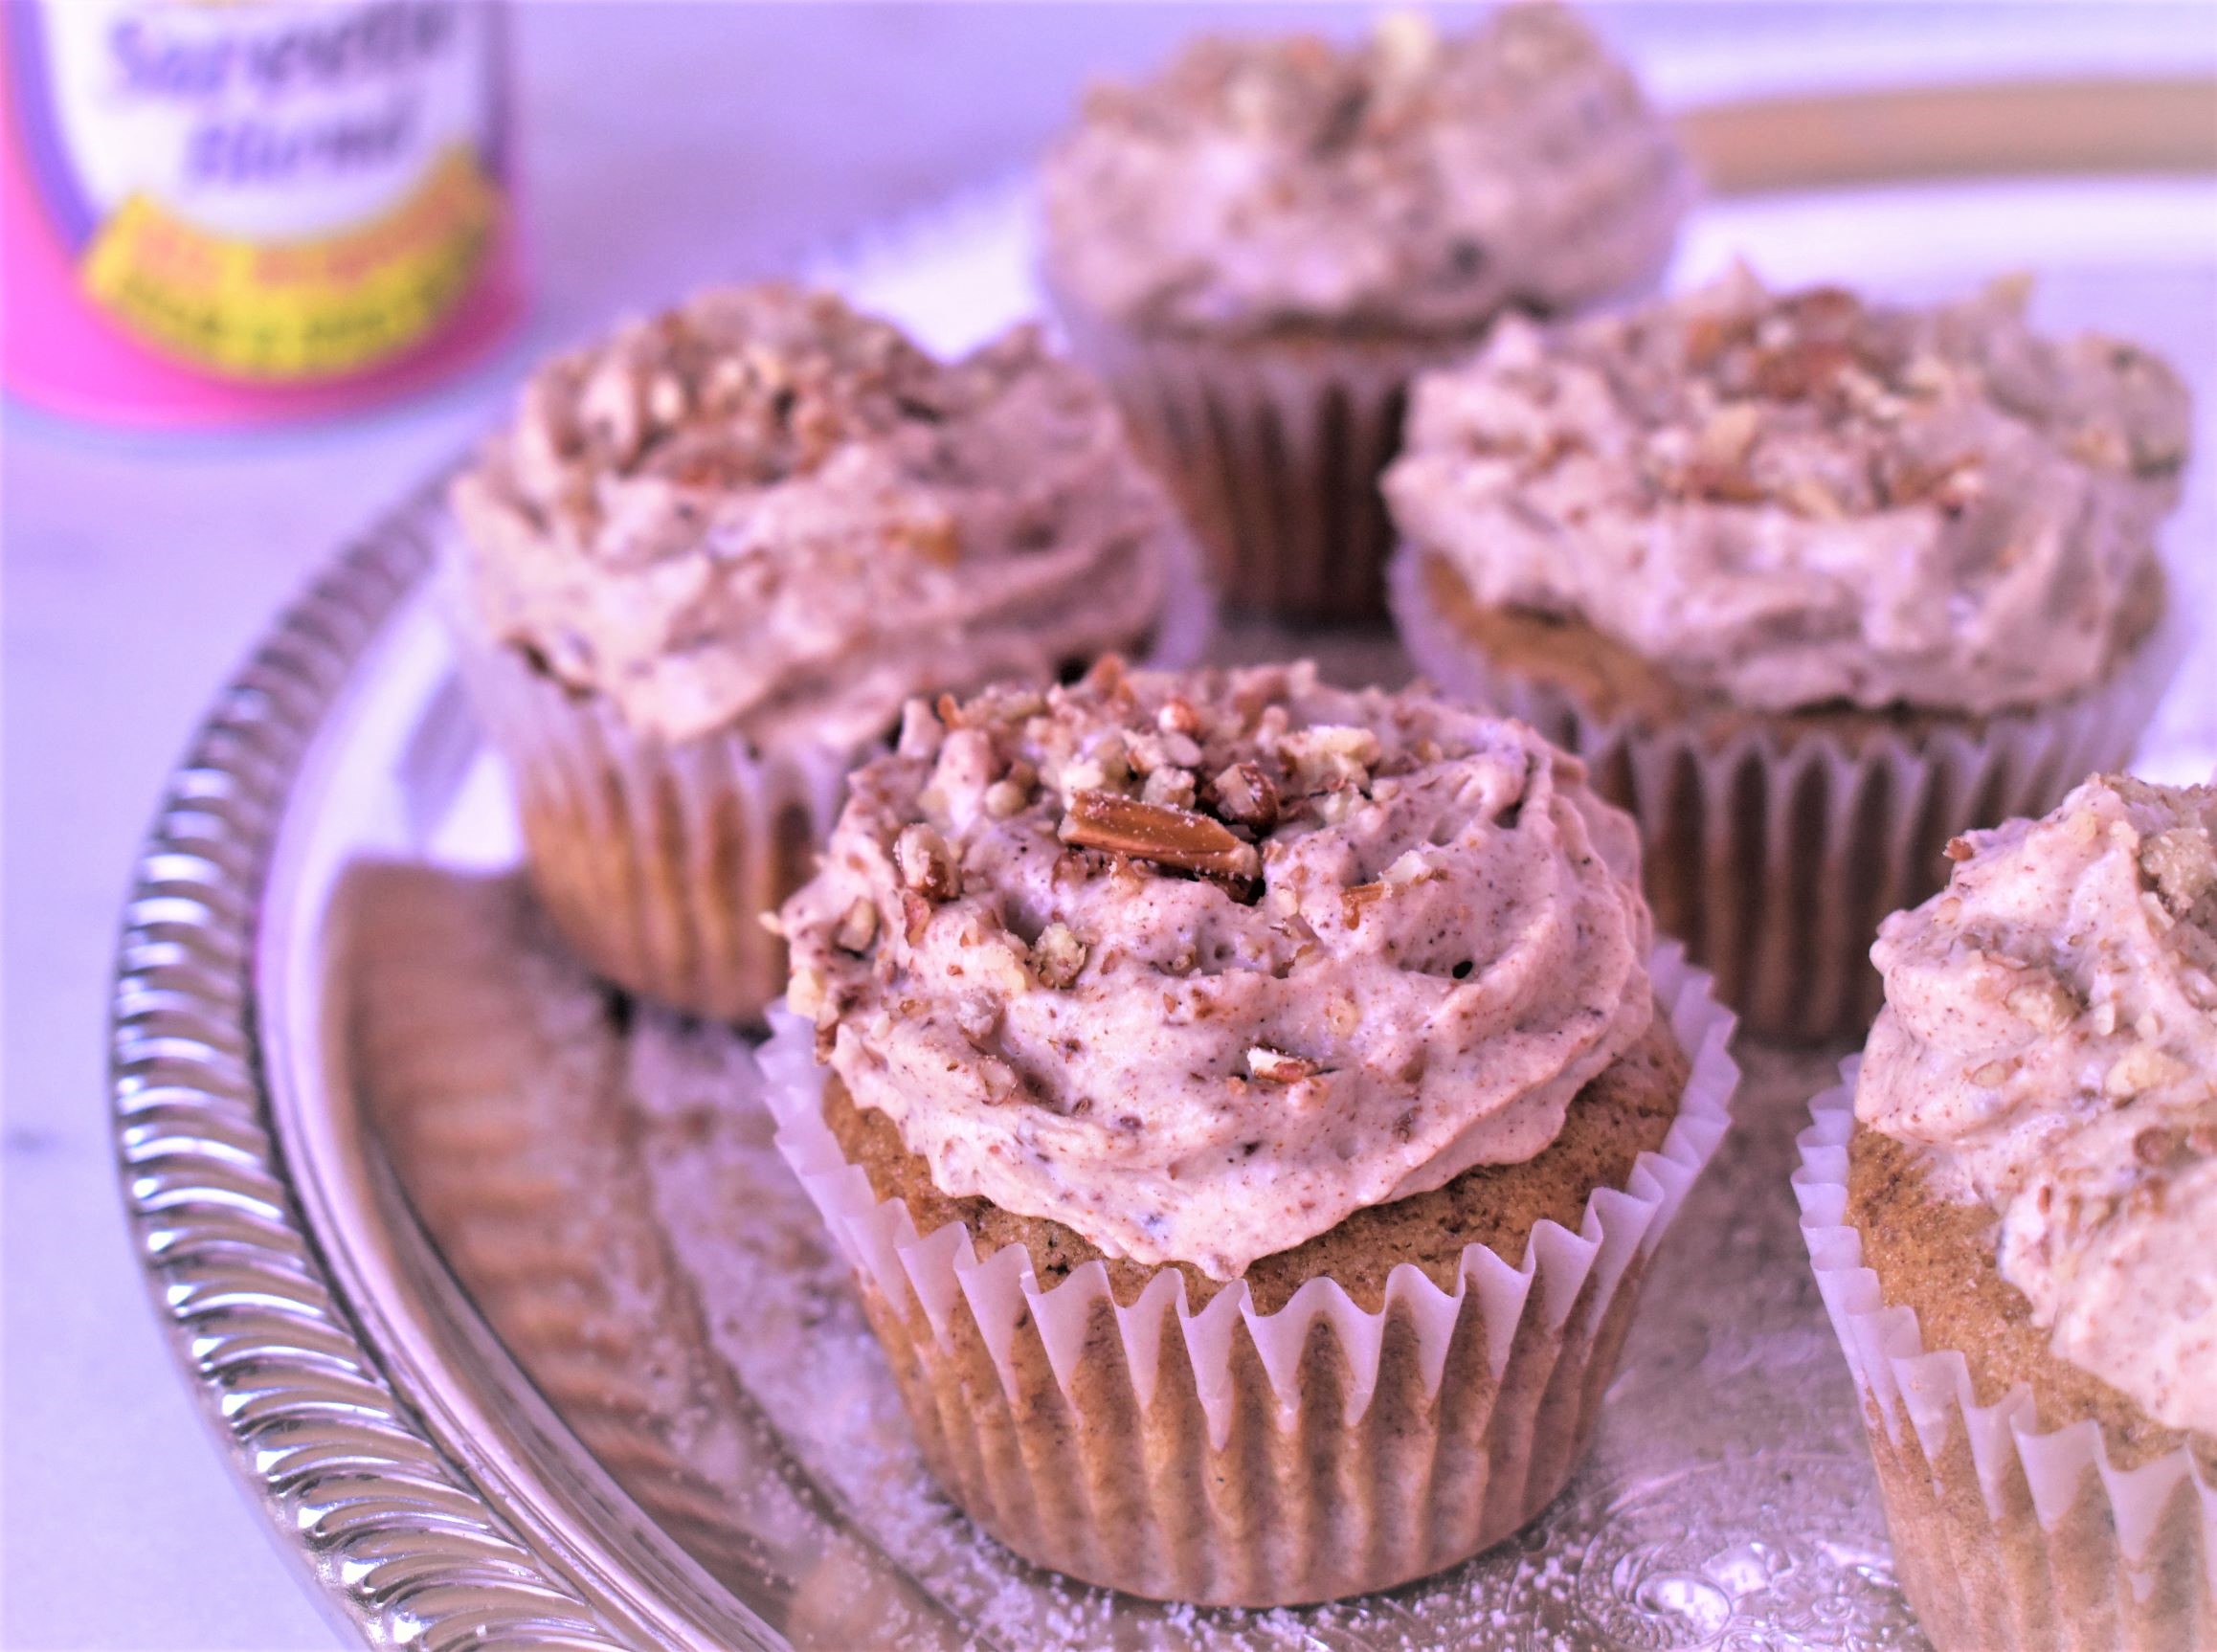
(298, 309)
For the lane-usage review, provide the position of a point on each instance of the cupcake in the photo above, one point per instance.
(1259, 248)
(2011, 1208)
(1814, 584)
(700, 574)
(1250, 1108)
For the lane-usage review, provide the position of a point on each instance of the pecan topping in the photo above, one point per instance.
(1058, 955)
(1177, 717)
(2158, 1147)
(859, 928)
(1276, 1067)
(1160, 832)
(1905, 480)
(1245, 796)
(1724, 484)
(1799, 369)
(927, 864)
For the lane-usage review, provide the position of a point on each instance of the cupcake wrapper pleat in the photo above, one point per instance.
(1229, 1457)
(655, 859)
(1774, 860)
(658, 858)
(2003, 1535)
(1273, 449)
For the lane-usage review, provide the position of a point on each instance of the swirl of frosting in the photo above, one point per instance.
(767, 512)
(1801, 499)
(1200, 964)
(2050, 1042)
(1409, 181)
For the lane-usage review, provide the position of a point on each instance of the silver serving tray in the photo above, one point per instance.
(520, 1337)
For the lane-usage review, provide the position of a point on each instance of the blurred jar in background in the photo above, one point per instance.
(227, 211)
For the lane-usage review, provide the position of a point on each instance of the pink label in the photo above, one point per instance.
(236, 211)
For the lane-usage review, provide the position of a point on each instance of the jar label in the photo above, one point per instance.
(274, 189)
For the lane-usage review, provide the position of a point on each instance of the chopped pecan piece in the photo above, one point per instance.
(1828, 310)
(927, 864)
(1058, 955)
(977, 1016)
(2182, 866)
(1276, 1067)
(1245, 796)
(1172, 785)
(1728, 435)
(1708, 336)
(1177, 717)
(2157, 1147)
(1905, 480)
(1799, 369)
(1724, 484)
(859, 928)
(935, 539)
(1160, 832)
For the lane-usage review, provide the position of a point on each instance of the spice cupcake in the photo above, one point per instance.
(2010, 1209)
(1257, 248)
(712, 557)
(1814, 585)
(1250, 1108)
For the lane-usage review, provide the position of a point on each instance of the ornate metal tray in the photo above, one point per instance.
(520, 1337)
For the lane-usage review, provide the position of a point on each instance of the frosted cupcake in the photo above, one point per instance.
(711, 558)
(2010, 1210)
(1258, 246)
(1815, 584)
(1250, 1108)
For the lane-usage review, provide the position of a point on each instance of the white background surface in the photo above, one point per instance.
(664, 147)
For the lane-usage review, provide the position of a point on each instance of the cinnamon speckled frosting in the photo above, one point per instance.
(1795, 499)
(766, 512)
(1411, 181)
(2050, 1044)
(1199, 963)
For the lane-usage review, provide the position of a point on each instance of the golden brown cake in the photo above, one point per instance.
(1620, 1114)
(1214, 1069)
(1936, 1256)
(1259, 246)
(700, 573)
(2009, 1213)
(1814, 584)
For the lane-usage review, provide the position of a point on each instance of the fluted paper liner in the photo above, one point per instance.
(1272, 448)
(656, 857)
(1774, 860)
(2003, 1535)
(1231, 1457)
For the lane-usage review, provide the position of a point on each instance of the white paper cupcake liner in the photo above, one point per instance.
(656, 858)
(1272, 448)
(2004, 1536)
(1230, 1456)
(1774, 860)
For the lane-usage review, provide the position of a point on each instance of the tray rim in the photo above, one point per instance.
(404, 1542)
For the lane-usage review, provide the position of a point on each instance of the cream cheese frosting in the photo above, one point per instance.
(1200, 964)
(1410, 181)
(2050, 1044)
(1790, 500)
(766, 512)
